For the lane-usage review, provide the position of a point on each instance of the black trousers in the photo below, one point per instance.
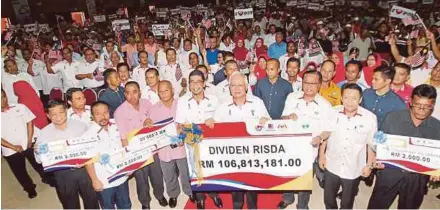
(331, 187)
(70, 183)
(238, 199)
(150, 173)
(200, 196)
(17, 163)
(411, 188)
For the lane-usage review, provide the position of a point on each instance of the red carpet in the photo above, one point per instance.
(265, 201)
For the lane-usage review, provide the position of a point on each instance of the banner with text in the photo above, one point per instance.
(401, 12)
(142, 145)
(120, 25)
(160, 29)
(410, 153)
(67, 153)
(237, 156)
(243, 13)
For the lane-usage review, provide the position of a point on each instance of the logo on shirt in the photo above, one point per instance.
(253, 112)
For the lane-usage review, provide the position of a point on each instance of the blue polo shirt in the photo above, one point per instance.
(112, 98)
(276, 50)
(382, 105)
(273, 95)
(211, 56)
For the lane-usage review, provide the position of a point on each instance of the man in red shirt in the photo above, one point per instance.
(399, 85)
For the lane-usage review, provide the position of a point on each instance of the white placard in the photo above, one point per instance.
(122, 24)
(401, 12)
(99, 18)
(160, 29)
(240, 14)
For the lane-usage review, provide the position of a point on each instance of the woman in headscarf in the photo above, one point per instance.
(260, 48)
(240, 54)
(258, 70)
(338, 58)
(374, 60)
(27, 96)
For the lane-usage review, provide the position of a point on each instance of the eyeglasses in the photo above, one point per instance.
(422, 107)
(311, 83)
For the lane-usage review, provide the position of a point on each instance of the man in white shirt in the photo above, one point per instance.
(68, 68)
(344, 155)
(78, 109)
(257, 34)
(174, 72)
(110, 142)
(150, 92)
(139, 71)
(33, 67)
(17, 136)
(310, 108)
(104, 58)
(73, 182)
(184, 54)
(89, 72)
(209, 87)
(12, 75)
(241, 108)
(223, 91)
(291, 53)
(292, 72)
(198, 107)
(270, 37)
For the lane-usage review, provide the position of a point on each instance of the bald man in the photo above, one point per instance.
(172, 158)
(273, 89)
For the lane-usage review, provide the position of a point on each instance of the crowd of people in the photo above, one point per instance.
(349, 73)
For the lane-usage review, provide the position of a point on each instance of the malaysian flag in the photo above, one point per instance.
(314, 48)
(411, 20)
(301, 47)
(414, 34)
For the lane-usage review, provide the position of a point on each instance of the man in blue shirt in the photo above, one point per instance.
(220, 75)
(113, 95)
(380, 99)
(212, 51)
(279, 48)
(273, 89)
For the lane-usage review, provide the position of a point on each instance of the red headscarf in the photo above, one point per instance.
(240, 53)
(368, 70)
(27, 96)
(258, 71)
(340, 69)
(260, 50)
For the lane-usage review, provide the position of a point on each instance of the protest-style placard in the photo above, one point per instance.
(99, 18)
(240, 14)
(120, 25)
(401, 12)
(160, 29)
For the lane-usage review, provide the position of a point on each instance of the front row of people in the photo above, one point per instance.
(343, 135)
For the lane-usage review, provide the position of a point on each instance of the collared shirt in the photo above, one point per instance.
(228, 48)
(8, 81)
(74, 128)
(184, 57)
(14, 127)
(160, 112)
(361, 84)
(113, 98)
(168, 72)
(400, 123)
(138, 75)
(127, 118)
(130, 49)
(89, 68)
(297, 85)
(332, 94)
(276, 50)
(50, 81)
(68, 72)
(273, 95)
(150, 95)
(346, 152)
(85, 117)
(382, 105)
(419, 76)
(38, 67)
(252, 109)
(283, 64)
(223, 92)
(109, 142)
(161, 58)
(314, 113)
(269, 39)
(191, 111)
(405, 93)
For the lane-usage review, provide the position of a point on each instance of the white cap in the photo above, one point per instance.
(348, 25)
(319, 22)
(356, 18)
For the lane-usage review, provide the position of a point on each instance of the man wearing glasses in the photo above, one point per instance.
(311, 109)
(415, 122)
